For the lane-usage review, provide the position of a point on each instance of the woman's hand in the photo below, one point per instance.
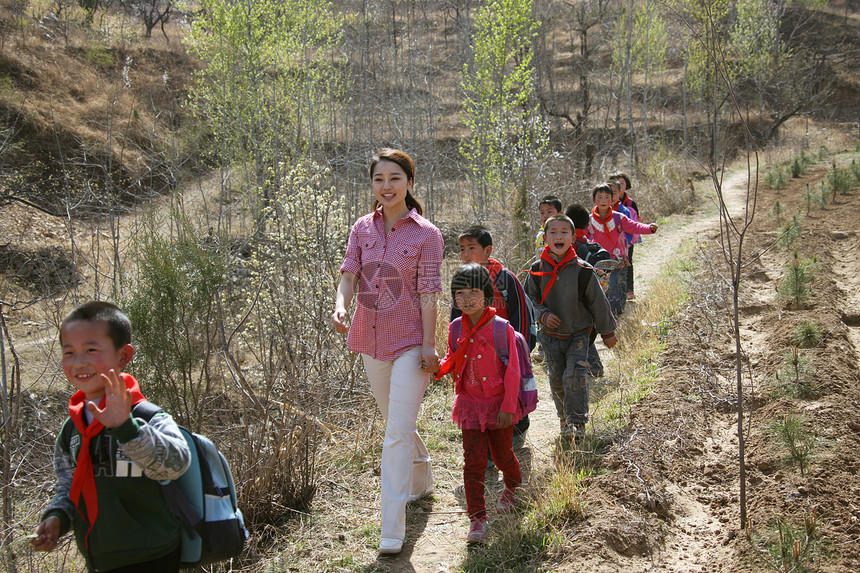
(338, 320)
(429, 359)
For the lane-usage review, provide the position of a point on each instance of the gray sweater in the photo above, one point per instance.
(577, 311)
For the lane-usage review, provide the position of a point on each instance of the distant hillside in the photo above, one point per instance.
(99, 110)
(90, 113)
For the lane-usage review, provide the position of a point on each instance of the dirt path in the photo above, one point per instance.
(440, 546)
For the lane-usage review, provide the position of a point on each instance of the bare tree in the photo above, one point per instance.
(152, 12)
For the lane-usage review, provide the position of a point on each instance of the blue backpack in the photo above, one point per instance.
(528, 395)
(203, 500)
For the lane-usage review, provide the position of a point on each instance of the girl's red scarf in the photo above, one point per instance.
(83, 480)
(614, 235)
(545, 255)
(580, 235)
(602, 220)
(455, 362)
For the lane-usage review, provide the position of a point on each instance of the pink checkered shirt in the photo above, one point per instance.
(392, 272)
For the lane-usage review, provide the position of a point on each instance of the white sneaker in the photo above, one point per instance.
(389, 546)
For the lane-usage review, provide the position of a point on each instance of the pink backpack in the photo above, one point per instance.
(528, 396)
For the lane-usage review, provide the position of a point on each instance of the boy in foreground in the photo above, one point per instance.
(568, 317)
(107, 462)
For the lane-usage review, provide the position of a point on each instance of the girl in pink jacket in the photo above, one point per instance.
(607, 228)
(486, 405)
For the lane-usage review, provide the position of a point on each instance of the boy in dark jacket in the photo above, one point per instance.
(568, 317)
(108, 462)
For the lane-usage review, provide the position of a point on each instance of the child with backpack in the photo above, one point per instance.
(624, 199)
(569, 303)
(509, 298)
(487, 390)
(591, 253)
(607, 228)
(108, 462)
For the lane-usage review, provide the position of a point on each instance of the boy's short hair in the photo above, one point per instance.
(621, 175)
(551, 200)
(563, 218)
(579, 215)
(478, 233)
(602, 188)
(117, 323)
(473, 275)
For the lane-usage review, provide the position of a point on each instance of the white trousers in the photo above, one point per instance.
(398, 387)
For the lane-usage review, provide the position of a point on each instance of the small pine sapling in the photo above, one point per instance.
(796, 283)
(790, 431)
(807, 334)
(795, 377)
(777, 212)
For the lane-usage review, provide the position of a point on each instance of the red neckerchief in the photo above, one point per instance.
(494, 267)
(83, 480)
(580, 235)
(599, 219)
(569, 256)
(615, 236)
(456, 360)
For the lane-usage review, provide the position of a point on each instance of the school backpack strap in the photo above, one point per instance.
(528, 394)
(585, 274)
(455, 330)
(521, 313)
(188, 512)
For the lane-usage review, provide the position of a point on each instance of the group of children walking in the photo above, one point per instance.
(566, 300)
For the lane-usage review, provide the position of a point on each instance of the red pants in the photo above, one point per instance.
(501, 446)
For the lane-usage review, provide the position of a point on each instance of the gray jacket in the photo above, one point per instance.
(577, 311)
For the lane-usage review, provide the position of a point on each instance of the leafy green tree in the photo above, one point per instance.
(265, 84)
(507, 136)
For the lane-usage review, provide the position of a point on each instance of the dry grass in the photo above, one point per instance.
(634, 366)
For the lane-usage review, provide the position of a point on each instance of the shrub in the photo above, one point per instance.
(809, 197)
(777, 211)
(796, 283)
(823, 194)
(807, 334)
(797, 168)
(789, 232)
(775, 178)
(172, 300)
(840, 180)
